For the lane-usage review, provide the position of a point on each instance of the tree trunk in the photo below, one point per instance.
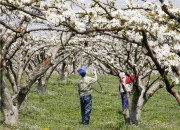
(140, 98)
(41, 86)
(174, 92)
(176, 69)
(133, 113)
(134, 110)
(74, 67)
(23, 104)
(9, 109)
(63, 71)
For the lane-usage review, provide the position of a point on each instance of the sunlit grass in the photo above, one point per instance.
(59, 109)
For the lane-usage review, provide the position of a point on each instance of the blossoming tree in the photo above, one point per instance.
(26, 34)
(141, 30)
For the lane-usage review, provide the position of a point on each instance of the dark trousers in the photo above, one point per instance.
(86, 106)
(124, 99)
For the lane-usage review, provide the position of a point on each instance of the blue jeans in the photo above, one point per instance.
(124, 99)
(86, 106)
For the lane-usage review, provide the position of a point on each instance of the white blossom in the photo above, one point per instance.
(114, 23)
(92, 13)
(80, 26)
(26, 1)
(69, 14)
(53, 18)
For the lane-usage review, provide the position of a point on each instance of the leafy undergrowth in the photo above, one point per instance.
(59, 109)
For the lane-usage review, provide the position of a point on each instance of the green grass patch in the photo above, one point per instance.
(59, 109)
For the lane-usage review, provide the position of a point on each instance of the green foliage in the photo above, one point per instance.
(59, 109)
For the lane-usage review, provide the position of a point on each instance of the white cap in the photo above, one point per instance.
(122, 74)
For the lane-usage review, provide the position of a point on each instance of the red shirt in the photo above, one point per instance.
(130, 79)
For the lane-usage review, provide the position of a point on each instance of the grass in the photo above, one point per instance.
(59, 109)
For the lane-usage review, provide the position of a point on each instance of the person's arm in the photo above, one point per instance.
(120, 87)
(123, 85)
(94, 79)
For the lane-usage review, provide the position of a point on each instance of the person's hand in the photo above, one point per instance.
(94, 72)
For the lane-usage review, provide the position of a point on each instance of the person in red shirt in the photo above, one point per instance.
(125, 88)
